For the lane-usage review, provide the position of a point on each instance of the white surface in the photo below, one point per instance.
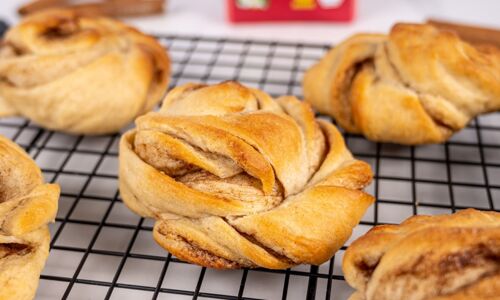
(208, 17)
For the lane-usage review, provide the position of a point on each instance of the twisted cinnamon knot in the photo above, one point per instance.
(428, 257)
(26, 206)
(417, 85)
(80, 75)
(235, 179)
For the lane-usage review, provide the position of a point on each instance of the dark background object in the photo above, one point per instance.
(3, 27)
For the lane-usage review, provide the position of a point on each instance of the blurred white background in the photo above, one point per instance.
(208, 18)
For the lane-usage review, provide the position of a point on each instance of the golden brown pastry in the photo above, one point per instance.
(235, 179)
(417, 85)
(26, 206)
(440, 257)
(80, 75)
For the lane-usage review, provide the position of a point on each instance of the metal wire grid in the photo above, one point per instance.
(100, 250)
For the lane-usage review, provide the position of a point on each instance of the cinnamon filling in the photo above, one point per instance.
(345, 90)
(481, 255)
(62, 30)
(477, 256)
(159, 156)
(198, 254)
(13, 249)
(8, 49)
(162, 161)
(207, 256)
(365, 268)
(237, 185)
(241, 186)
(274, 253)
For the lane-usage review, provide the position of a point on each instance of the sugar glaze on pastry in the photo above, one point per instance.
(416, 85)
(235, 179)
(26, 206)
(80, 75)
(443, 257)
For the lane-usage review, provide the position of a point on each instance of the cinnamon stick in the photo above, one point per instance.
(479, 36)
(38, 5)
(114, 8)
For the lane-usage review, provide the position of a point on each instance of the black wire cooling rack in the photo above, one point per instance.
(100, 250)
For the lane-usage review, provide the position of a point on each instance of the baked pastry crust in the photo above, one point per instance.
(80, 75)
(26, 206)
(235, 179)
(416, 85)
(428, 257)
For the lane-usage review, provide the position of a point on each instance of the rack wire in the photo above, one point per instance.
(100, 250)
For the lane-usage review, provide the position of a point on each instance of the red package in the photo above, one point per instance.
(290, 10)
